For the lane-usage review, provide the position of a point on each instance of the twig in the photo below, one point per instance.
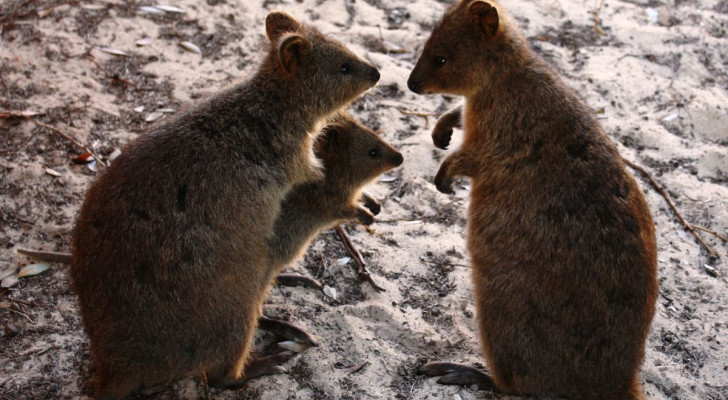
(712, 232)
(419, 114)
(115, 78)
(69, 138)
(21, 313)
(598, 29)
(361, 265)
(689, 227)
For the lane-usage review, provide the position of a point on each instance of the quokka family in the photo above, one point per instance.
(178, 242)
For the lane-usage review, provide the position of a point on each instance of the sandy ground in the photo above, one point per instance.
(657, 80)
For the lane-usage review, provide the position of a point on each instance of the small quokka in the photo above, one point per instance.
(170, 247)
(561, 238)
(352, 156)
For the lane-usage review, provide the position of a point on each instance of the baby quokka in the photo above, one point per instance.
(561, 239)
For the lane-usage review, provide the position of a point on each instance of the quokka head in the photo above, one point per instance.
(319, 68)
(466, 49)
(352, 154)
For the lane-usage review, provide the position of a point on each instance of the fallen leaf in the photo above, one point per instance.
(9, 281)
(145, 42)
(7, 272)
(330, 292)
(151, 10)
(114, 52)
(387, 178)
(392, 48)
(92, 165)
(114, 155)
(93, 7)
(52, 172)
(24, 113)
(166, 110)
(30, 113)
(84, 158)
(33, 269)
(154, 116)
(44, 12)
(295, 347)
(138, 109)
(191, 47)
(4, 304)
(343, 260)
(171, 9)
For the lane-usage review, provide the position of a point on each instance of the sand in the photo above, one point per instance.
(656, 79)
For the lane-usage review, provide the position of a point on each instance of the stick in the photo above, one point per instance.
(712, 232)
(419, 114)
(361, 265)
(689, 227)
(597, 29)
(69, 138)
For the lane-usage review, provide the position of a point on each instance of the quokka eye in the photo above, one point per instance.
(374, 153)
(345, 68)
(440, 61)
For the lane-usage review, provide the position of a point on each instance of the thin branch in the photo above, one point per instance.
(71, 139)
(597, 28)
(689, 227)
(361, 265)
(418, 114)
(712, 232)
(424, 115)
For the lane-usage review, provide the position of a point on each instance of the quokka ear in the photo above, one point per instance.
(291, 50)
(277, 23)
(486, 16)
(331, 140)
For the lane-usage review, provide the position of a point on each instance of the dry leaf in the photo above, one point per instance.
(392, 48)
(191, 47)
(44, 12)
(93, 7)
(330, 292)
(52, 172)
(4, 304)
(24, 113)
(84, 158)
(114, 155)
(295, 347)
(387, 178)
(33, 269)
(171, 9)
(113, 52)
(92, 165)
(166, 110)
(7, 272)
(151, 10)
(146, 41)
(9, 281)
(154, 116)
(343, 260)
(138, 109)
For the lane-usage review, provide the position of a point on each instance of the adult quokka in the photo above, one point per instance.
(561, 238)
(170, 246)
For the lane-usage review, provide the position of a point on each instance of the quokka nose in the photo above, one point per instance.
(413, 85)
(374, 74)
(397, 160)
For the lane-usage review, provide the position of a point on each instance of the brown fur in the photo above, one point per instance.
(561, 238)
(352, 156)
(170, 246)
